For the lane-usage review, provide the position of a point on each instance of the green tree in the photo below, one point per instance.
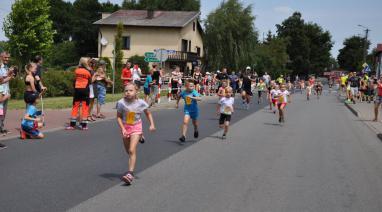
(272, 57)
(61, 13)
(298, 46)
(29, 29)
(320, 45)
(309, 45)
(130, 4)
(85, 33)
(350, 57)
(63, 55)
(109, 7)
(230, 38)
(118, 54)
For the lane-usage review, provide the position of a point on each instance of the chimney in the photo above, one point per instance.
(150, 13)
(105, 15)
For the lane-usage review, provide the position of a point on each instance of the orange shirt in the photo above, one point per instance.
(82, 77)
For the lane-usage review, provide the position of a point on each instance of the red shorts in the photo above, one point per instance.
(135, 129)
(274, 101)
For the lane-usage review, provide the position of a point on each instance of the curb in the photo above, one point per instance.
(357, 114)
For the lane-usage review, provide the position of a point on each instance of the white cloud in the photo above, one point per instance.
(283, 9)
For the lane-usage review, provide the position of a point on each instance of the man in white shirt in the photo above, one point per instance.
(267, 78)
(136, 75)
(4, 60)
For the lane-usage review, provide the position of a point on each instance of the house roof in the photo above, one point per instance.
(139, 18)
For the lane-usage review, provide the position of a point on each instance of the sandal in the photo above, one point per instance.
(101, 116)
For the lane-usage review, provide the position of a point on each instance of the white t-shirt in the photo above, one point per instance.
(131, 111)
(136, 74)
(283, 96)
(274, 93)
(226, 104)
(267, 78)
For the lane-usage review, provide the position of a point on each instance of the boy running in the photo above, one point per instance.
(191, 110)
(225, 109)
(129, 110)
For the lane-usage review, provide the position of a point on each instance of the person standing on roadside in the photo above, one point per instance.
(378, 99)
(6, 77)
(38, 74)
(93, 94)
(156, 75)
(136, 74)
(82, 81)
(126, 75)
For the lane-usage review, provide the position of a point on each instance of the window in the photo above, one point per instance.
(189, 46)
(184, 45)
(193, 26)
(126, 43)
(198, 51)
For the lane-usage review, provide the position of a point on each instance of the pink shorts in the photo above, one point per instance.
(135, 129)
(282, 105)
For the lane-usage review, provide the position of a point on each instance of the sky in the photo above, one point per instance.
(340, 17)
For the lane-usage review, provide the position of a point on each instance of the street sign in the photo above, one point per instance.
(152, 60)
(149, 54)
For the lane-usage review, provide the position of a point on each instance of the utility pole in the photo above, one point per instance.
(367, 30)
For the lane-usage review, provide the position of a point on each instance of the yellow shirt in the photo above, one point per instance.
(344, 79)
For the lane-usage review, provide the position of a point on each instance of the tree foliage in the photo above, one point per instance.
(271, 56)
(109, 7)
(118, 53)
(230, 38)
(29, 29)
(61, 13)
(309, 45)
(170, 5)
(85, 33)
(63, 55)
(350, 57)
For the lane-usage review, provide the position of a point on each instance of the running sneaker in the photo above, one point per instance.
(69, 128)
(84, 128)
(224, 136)
(2, 146)
(142, 140)
(128, 178)
(5, 131)
(182, 139)
(196, 134)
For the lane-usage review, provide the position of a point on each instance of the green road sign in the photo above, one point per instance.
(151, 60)
(150, 54)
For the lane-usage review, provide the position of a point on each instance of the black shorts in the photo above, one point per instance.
(223, 118)
(248, 92)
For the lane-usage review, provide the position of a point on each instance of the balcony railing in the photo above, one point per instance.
(180, 56)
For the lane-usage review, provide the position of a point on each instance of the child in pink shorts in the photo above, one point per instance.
(129, 111)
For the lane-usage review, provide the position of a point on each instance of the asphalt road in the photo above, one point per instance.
(68, 168)
(322, 159)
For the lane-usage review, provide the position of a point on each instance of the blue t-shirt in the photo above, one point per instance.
(33, 113)
(149, 79)
(190, 105)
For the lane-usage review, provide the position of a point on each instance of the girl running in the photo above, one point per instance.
(221, 91)
(225, 109)
(260, 90)
(191, 110)
(197, 77)
(273, 97)
(129, 110)
(283, 98)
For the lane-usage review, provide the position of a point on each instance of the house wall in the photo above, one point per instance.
(195, 37)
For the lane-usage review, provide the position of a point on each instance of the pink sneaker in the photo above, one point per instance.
(128, 178)
(69, 128)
